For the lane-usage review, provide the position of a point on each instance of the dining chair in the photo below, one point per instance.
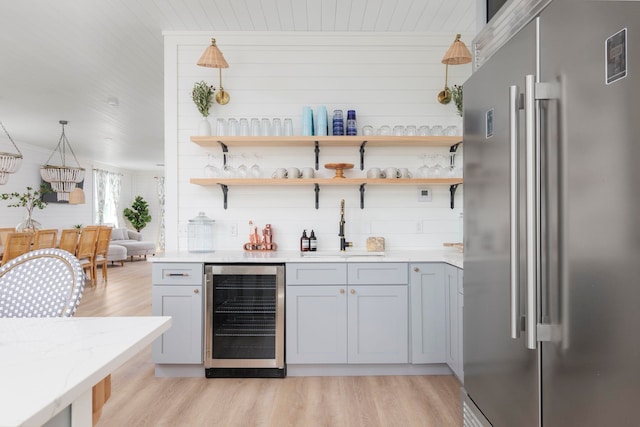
(43, 239)
(69, 239)
(16, 244)
(4, 232)
(87, 248)
(102, 248)
(42, 283)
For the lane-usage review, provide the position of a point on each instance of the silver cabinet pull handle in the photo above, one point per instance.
(513, 211)
(177, 274)
(532, 207)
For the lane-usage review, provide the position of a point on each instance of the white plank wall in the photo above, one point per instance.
(388, 78)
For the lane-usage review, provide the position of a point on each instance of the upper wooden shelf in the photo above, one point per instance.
(326, 141)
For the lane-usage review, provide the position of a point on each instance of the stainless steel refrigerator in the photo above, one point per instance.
(552, 222)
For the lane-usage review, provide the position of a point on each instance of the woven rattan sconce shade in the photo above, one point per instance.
(457, 54)
(213, 58)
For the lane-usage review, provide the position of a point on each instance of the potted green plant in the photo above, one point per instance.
(29, 200)
(456, 94)
(202, 95)
(138, 213)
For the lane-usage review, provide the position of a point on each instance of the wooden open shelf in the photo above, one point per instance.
(322, 181)
(326, 141)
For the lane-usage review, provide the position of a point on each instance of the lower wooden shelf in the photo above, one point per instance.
(225, 183)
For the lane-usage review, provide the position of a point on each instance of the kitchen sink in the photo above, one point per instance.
(334, 254)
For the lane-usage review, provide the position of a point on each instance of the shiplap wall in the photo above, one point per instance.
(388, 78)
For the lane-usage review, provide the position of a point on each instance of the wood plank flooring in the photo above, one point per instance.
(140, 399)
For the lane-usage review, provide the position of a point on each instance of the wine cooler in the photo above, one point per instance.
(244, 320)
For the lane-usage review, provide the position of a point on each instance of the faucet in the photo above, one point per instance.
(343, 242)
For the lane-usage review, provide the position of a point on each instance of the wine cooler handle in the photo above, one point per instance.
(514, 253)
(531, 211)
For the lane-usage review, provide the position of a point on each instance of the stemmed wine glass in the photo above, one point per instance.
(211, 170)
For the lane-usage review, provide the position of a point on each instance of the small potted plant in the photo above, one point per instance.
(202, 95)
(456, 94)
(30, 200)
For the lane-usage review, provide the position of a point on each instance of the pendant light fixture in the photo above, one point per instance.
(9, 162)
(456, 55)
(213, 58)
(63, 178)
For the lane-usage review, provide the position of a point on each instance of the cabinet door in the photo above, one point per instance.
(453, 349)
(428, 313)
(460, 326)
(316, 324)
(378, 324)
(182, 343)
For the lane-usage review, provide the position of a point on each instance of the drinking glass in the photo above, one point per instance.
(265, 127)
(276, 128)
(210, 170)
(424, 130)
(221, 127)
(288, 127)
(244, 127)
(436, 130)
(451, 131)
(254, 170)
(233, 127)
(384, 130)
(255, 127)
(411, 130)
(367, 130)
(398, 130)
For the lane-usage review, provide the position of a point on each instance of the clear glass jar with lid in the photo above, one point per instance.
(200, 234)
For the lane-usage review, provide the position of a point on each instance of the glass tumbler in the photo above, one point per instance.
(255, 127)
(244, 127)
(233, 127)
(398, 130)
(265, 127)
(288, 127)
(221, 127)
(276, 127)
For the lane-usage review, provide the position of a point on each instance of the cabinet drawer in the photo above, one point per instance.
(317, 274)
(177, 273)
(378, 273)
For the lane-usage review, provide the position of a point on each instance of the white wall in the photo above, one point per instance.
(388, 78)
(56, 215)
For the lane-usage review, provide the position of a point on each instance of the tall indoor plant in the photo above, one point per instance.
(202, 95)
(138, 213)
(29, 200)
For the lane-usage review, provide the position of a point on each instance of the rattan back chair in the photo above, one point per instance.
(15, 245)
(87, 249)
(102, 248)
(43, 239)
(69, 239)
(41, 283)
(3, 234)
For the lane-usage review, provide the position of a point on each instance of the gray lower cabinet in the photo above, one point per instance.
(178, 291)
(347, 313)
(428, 313)
(455, 306)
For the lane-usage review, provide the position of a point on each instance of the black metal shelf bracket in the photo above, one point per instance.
(317, 151)
(362, 196)
(452, 190)
(452, 155)
(362, 154)
(316, 188)
(225, 192)
(225, 150)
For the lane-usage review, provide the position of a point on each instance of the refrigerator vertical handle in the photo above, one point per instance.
(531, 210)
(514, 222)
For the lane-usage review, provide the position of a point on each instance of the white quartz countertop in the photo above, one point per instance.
(48, 363)
(448, 255)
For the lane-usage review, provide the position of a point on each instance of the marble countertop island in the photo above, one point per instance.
(49, 364)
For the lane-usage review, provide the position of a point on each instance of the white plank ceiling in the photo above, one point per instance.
(72, 59)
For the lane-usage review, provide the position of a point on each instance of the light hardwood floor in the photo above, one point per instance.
(140, 399)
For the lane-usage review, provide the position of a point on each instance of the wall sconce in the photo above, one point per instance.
(9, 162)
(456, 55)
(63, 178)
(212, 57)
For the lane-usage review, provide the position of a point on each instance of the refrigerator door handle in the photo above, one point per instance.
(531, 210)
(513, 211)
